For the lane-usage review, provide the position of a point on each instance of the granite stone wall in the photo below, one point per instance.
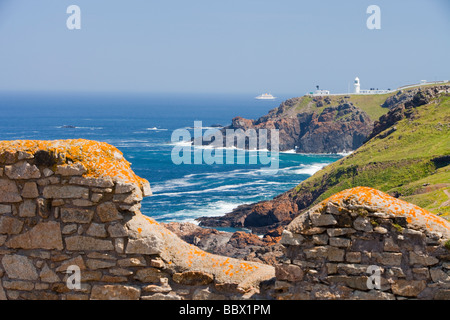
(72, 208)
(58, 213)
(364, 244)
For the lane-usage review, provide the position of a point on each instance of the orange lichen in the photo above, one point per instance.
(99, 158)
(376, 198)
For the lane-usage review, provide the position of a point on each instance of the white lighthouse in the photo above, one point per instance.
(357, 85)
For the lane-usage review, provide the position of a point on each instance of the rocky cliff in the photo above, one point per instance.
(407, 156)
(312, 125)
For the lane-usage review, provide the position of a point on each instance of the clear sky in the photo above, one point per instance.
(227, 46)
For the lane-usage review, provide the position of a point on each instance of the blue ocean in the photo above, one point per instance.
(141, 126)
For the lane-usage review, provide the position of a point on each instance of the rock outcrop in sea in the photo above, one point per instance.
(317, 127)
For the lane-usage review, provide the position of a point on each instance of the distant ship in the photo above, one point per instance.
(265, 96)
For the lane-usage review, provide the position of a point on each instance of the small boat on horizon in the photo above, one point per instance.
(265, 96)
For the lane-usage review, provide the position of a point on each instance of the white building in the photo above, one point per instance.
(321, 92)
(358, 90)
(357, 85)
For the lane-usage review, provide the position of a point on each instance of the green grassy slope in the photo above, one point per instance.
(402, 163)
(371, 104)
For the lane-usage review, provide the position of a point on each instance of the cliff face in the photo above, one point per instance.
(76, 203)
(407, 156)
(312, 126)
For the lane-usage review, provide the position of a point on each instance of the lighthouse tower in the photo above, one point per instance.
(357, 85)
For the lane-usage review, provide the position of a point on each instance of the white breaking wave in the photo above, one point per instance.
(344, 154)
(289, 151)
(76, 127)
(156, 129)
(309, 169)
(173, 184)
(214, 209)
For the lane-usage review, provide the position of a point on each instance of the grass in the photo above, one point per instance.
(400, 163)
(371, 104)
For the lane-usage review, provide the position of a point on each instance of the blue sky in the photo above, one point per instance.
(228, 46)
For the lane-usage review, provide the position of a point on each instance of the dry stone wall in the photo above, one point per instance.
(364, 244)
(74, 205)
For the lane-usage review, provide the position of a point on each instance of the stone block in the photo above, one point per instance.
(408, 288)
(149, 275)
(77, 261)
(292, 239)
(193, 278)
(10, 225)
(5, 208)
(9, 193)
(30, 190)
(438, 275)
(108, 212)
(65, 192)
(92, 182)
(422, 259)
(95, 264)
(362, 224)
(19, 267)
(22, 170)
(340, 242)
(320, 239)
(337, 232)
(352, 269)
(123, 187)
(390, 245)
(353, 257)
(81, 243)
(27, 209)
(117, 230)
(132, 262)
(288, 272)
(96, 230)
(372, 295)
(388, 258)
(45, 235)
(76, 169)
(48, 275)
(115, 292)
(322, 219)
(77, 215)
(129, 198)
(355, 282)
(18, 285)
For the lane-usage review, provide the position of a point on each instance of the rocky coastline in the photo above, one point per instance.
(309, 125)
(73, 205)
(266, 216)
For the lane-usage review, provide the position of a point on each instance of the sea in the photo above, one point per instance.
(141, 126)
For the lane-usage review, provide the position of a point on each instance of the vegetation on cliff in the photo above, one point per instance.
(410, 160)
(407, 156)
